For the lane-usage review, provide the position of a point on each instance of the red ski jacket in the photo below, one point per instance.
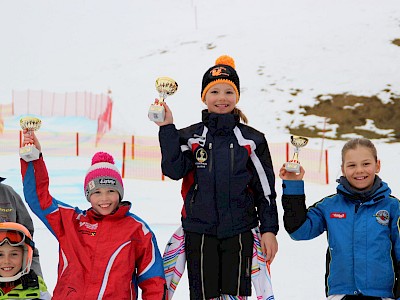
(100, 257)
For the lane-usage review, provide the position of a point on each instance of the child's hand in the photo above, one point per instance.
(168, 116)
(269, 245)
(283, 174)
(31, 139)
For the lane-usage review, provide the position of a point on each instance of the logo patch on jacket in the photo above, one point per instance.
(201, 157)
(88, 228)
(88, 225)
(382, 217)
(338, 215)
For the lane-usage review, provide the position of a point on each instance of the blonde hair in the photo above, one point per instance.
(359, 142)
(242, 116)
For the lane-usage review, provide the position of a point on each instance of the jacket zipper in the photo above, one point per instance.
(232, 156)
(211, 157)
(357, 206)
(248, 267)
(192, 199)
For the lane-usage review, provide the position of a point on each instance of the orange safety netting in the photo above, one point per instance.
(141, 155)
(49, 104)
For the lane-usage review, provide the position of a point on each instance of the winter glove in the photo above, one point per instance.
(30, 280)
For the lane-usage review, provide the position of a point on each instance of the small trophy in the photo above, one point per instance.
(294, 165)
(29, 151)
(165, 86)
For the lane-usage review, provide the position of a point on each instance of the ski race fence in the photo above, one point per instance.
(140, 156)
(50, 104)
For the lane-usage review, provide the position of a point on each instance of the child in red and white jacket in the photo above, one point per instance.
(105, 252)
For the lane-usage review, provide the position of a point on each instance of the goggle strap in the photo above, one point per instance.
(30, 242)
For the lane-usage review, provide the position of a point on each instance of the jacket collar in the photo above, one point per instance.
(220, 124)
(378, 190)
(122, 209)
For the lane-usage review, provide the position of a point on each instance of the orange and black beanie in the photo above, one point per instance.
(223, 72)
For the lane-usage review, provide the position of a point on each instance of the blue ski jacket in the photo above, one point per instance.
(228, 184)
(363, 236)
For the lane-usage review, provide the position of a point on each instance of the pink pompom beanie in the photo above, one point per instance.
(103, 174)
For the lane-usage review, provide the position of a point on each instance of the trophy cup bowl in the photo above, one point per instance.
(165, 86)
(29, 152)
(298, 142)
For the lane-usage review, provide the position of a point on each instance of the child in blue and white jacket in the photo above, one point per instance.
(362, 225)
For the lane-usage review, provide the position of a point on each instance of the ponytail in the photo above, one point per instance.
(242, 116)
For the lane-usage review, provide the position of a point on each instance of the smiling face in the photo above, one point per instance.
(104, 201)
(359, 167)
(221, 98)
(10, 260)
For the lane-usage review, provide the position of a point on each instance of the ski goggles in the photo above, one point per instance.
(14, 238)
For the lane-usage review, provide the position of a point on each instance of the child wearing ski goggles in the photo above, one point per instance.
(17, 280)
(14, 238)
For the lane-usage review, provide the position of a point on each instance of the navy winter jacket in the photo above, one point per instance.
(363, 235)
(228, 182)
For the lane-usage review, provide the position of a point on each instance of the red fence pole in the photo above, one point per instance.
(123, 159)
(77, 144)
(326, 167)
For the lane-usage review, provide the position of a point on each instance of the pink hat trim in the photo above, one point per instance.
(103, 172)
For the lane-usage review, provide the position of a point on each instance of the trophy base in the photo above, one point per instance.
(292, 167)
(29, 153)
(156, 113)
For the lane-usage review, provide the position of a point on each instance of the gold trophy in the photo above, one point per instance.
(29, 152)
(166, 87)
(298, 142)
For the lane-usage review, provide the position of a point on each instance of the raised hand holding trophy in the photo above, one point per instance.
(166, 87)
(294, 165)
(29, 152)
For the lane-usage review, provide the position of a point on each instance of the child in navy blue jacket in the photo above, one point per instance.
(361, 221)
(228, 188)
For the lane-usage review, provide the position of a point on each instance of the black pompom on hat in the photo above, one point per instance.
(223, 72)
